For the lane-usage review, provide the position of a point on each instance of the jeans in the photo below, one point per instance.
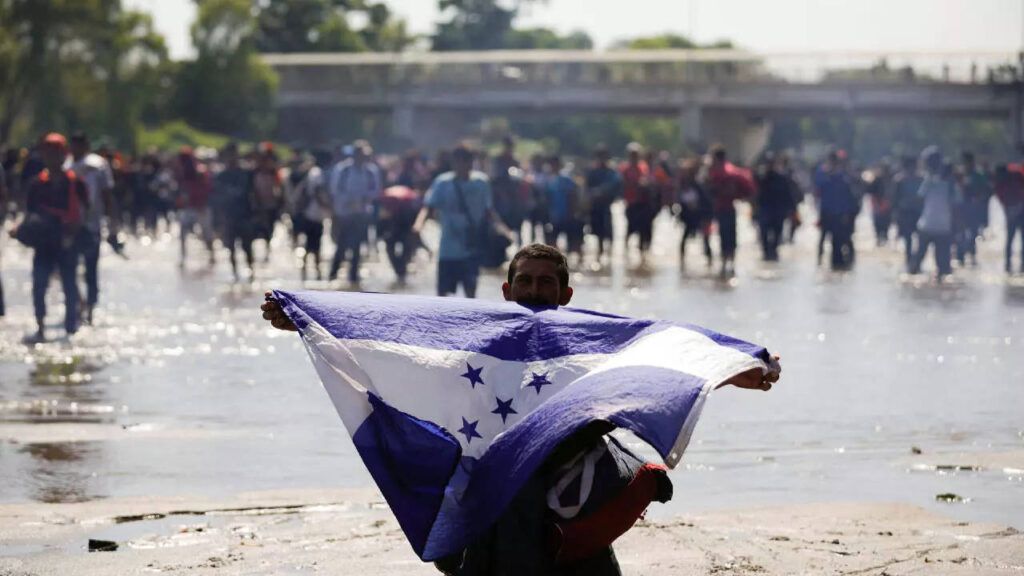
(771, 236)
(451, 273)
(349, 232)
(942, 244)
(89, 248)
(44, 262)
(839, 228)
(727, 234)
(691, 228)
(967, 243)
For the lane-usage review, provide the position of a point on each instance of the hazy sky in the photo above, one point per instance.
(771, 25)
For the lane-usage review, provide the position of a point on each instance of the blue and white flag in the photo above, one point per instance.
(453, 404)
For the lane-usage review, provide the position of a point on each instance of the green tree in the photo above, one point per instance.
(489, 25)
(546, 39)
(324, 26)
(670, 41)
(77, 64)
(227, 88)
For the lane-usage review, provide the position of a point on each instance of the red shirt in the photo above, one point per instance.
(635, 181)
(196, 188)
(729, 183)
(1010, 191)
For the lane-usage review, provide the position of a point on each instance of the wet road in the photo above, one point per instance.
(181, 389)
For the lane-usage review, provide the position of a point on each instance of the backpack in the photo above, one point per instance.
(43, 229)
(598, 496)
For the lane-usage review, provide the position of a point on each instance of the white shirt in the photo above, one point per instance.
(353, 188)
(94, 172)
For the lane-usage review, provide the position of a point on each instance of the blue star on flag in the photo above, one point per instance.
(473, 374)
(539, 381)
(469, 430)
(504, 409)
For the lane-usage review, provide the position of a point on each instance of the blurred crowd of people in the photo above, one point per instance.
(68, 199)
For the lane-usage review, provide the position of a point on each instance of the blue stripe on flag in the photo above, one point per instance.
(504, 330)
(411, 460)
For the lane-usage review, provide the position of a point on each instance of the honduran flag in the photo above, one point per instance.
(453, 404)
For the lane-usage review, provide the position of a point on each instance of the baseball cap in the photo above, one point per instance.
(56, 140)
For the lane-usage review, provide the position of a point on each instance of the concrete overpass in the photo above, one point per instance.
(431, 99)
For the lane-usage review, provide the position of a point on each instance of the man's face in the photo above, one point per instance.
(78, 148)
(462, 165)
(53, 156)
(536, 284)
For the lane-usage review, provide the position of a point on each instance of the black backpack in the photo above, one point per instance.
(41, 231)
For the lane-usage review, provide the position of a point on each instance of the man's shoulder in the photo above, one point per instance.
(95, 161)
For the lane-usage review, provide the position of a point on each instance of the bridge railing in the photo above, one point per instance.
(369, 73)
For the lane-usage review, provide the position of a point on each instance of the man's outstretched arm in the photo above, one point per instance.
(756, 379)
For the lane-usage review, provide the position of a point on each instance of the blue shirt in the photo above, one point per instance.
(837, 196)
(559, 190)
(458, 236)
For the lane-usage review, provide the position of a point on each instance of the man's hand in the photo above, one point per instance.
(755, 379)
(273, 313)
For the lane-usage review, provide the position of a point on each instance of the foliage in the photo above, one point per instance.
(79, 65)
(670, 41)
(546, 39)
(324, 26)
(175, 134)
(227, 88)
(578, 135)
(488, 25)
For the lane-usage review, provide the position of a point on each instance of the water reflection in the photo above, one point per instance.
(1013, 294)
(59, 471)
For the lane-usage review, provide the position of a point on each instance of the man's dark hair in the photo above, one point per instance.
(79, 137)
(541, 252)
(718, 153)
(463, 152)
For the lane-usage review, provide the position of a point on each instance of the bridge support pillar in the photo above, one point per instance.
(403, 123)
(430, 129)
(744, 136)
(1015, 127)
(691, 132)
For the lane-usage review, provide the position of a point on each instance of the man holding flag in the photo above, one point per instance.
(484, 424)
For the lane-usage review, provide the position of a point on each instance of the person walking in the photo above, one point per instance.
(310, 206)
(838, 207)
(977, 193)
(1010, 191)
(354, 184)
(907, 205)
(726, 184)
(194, 189)
(774, 205)
(233, 191)
(637, 191)
(54, 212)
(463, 199)
(94, 173)
(695, 211)
(935, 227)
